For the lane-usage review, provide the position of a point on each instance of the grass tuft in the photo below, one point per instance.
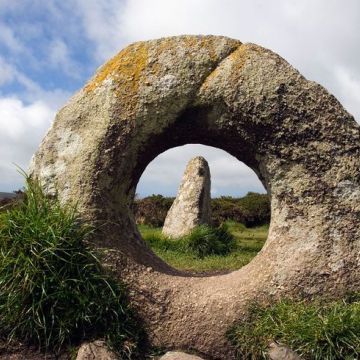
(205, 240)
(53, 290)
(315, 329)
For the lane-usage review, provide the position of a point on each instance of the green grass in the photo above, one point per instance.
(315, 329)
(206, 241)
(248, 242)
(53, 290)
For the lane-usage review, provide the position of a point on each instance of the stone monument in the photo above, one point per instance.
(244, 99)
(192, 205)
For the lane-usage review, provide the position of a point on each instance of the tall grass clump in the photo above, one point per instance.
(53, 290)
(315, 329)
(205, 241)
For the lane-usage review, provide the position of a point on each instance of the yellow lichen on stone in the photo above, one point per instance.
(210, 77)
(238, 58)
(202, 42)
(124, 69)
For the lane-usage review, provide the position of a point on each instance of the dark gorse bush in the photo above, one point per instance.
(252, 210)
(152, 210)
(53, 290)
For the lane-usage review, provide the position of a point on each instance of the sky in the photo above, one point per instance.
(50, 48)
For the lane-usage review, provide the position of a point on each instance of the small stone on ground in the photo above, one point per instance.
(177, 355)
(95, 350)
(281, 352)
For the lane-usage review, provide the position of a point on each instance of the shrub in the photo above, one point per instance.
(205, 240)
(315, 330)
(256, 207)
(226, 208)
(53, 290)
(152, 210)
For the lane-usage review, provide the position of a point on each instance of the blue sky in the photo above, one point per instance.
(49, 48)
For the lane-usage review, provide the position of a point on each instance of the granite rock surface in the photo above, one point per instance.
(247, 100)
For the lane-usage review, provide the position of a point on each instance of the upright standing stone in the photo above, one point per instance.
(192, 204)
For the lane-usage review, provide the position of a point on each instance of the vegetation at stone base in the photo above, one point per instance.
(316, 329)
(53, 290)
(247, 243)
(252, 210)
(205, 241)
(202, 241)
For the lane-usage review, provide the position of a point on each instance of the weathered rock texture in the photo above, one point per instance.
(192, 205)
(282, 352)
(242, 98)
(94, 351)
(177, 355)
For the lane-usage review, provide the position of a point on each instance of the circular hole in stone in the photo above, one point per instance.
(240, 210)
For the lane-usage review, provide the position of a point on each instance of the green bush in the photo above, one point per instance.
(256, 207)
(53, 290)
(205, 240)
(226, 208)
(253, 209)
(152, 210)
(315, 330)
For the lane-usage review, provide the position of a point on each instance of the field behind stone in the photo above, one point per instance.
(249, 242)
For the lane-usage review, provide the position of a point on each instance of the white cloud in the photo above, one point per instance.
(349, 87)
(22, 128)
(9, 39)
(7, 72)
(32, 92)
(8, 4)
(59, 56)
(24, 119)
(102, 22)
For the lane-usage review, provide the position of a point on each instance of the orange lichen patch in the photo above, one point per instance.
(125, 68)
(234, 63)
(237, 60)
(209, 79)
(239, 57)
